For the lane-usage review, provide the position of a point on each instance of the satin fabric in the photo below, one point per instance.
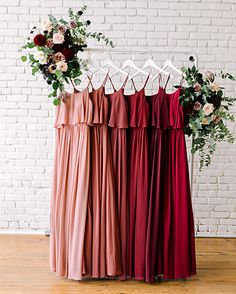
(70, 185)
(158, 157)
(138, 182)
(102, 255)
(118, 123)
(178, 237)
(170, 251)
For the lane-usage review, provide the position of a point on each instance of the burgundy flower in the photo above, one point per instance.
(68, 53)
(57, 47)
(189, 108)
(39, 40)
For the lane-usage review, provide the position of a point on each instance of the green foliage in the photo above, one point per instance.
(207, 127)
(76, 33)
(24, 58)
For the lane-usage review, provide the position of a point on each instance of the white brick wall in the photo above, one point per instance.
(26, 132)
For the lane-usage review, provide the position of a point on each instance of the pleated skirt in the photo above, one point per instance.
(119, 155)
(102, 253)
(69, 200)
(138, 195)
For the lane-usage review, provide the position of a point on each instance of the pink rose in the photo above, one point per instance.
(216, 119)
(197, 87)
(58, 57)
(58, 38)
(208, 108)
(49, 43)
(62, 66)
(62, 29)
(197, 106)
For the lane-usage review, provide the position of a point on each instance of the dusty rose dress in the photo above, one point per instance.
(118, 123)
(70, 184)
(102, 250)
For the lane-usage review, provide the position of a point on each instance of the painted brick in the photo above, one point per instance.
(26, 114)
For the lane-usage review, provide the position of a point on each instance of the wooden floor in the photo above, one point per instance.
(24, 268)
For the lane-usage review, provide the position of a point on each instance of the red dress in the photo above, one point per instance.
(178, 226)
(138, 182)
(118, 123)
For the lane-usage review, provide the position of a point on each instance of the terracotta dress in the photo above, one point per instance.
(138, 182)
(118, 123)
(178, 227)
(102, 255)
(158, 158)
(70, 184)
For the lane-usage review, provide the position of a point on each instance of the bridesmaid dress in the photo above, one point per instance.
(118, 123)
(178, 228)
(70, 184)
(138, 184)
(102, 256)
(158, 157)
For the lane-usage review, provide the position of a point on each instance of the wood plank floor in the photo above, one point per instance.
(24, 268)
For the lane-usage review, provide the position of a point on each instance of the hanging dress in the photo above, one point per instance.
(178, 228)
(138, 182)
(158, 157)
(102, 256)
(70, 184)
(118, 123)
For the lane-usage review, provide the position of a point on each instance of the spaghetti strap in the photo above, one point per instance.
(105, 79)
(160, 79)
(146, 81)
(125, 82)
(133, 85)
(90, 81)
(112, 84)
(167, 81)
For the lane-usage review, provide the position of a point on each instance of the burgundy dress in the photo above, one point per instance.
(138, 182)
(178, 226)
(118, 123)
(159, 140)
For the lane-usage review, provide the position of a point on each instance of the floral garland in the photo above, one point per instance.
(57, 47)
(206, 109)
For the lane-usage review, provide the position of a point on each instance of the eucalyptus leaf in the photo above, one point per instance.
(56, 101)
(55, 85)
(23, 58)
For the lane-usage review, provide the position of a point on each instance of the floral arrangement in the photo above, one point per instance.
(206, 109)
(54, 51)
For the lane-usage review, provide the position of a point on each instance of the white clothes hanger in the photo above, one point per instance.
(129, 63)
(111, 64)
(94, 67)
(151, 63)
(168, 64)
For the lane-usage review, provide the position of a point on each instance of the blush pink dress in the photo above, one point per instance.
(102, 256)
(70, 184)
